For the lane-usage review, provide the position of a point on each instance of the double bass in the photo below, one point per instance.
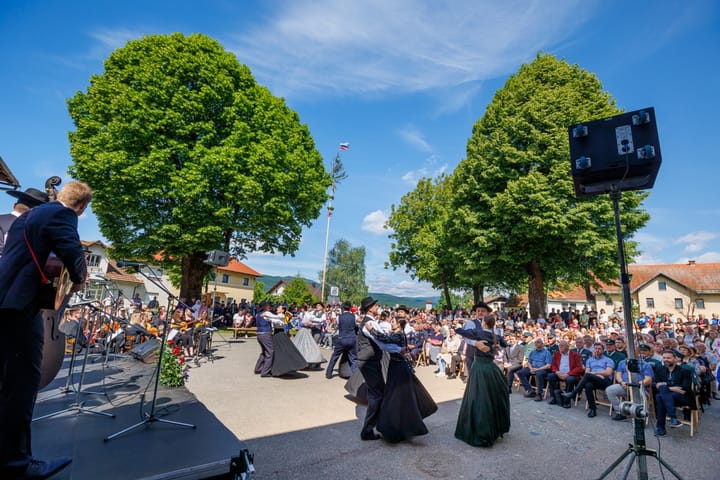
(54, 344)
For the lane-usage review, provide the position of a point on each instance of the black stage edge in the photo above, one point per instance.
(156, 451)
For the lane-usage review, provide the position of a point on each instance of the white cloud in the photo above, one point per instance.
(109, 40)
(696, 241)
(709, 257)
(415, 138)
(413, 177)
(374, 222)
(400, 46)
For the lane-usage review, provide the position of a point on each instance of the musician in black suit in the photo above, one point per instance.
(346, 341)
(51, 227)
(32, 197)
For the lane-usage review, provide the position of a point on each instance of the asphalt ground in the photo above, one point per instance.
(305, 427)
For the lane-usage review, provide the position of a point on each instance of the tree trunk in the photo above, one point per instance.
(536, 289)
(478, 293)
(446, 292)
(194, 270)
(588, 294)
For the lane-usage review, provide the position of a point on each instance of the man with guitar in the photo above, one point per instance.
(51, 227)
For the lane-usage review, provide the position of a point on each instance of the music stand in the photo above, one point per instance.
(152, 416)
(78, 406)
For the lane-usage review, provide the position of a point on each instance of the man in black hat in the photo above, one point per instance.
(481, 309)
(611, 352)
(347, 338)
(32, 197)
(369, 362)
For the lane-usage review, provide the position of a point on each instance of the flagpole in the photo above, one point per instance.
(337, 175)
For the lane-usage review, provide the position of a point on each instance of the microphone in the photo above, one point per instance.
(81, 303)
(125, 263)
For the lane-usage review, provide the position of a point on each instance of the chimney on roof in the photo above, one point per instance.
(691, 263)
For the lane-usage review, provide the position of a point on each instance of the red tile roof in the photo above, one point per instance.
(239, 267)
(118, 274)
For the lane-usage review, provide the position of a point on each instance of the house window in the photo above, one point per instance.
(700, 303)
(678, 303)
(93, 260)
(662, 286)
(225, 278)
(246, 281)
(608, 301)
(650, 302)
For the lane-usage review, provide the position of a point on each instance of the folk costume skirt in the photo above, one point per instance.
(405, 403)
(307, 346)
(485, 410)
(286, 358)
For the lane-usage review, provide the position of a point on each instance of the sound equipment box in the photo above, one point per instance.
(146, 351)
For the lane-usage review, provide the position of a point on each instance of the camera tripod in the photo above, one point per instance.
(637, 449)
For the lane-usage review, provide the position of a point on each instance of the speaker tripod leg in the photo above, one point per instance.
(630, 450)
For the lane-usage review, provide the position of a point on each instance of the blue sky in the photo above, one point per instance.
(403, 81)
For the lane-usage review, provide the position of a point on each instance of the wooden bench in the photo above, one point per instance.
(246, 330)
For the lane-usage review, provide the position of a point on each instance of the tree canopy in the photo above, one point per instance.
(514, 192)
(420, 240)
(186, 153)
(346, 270)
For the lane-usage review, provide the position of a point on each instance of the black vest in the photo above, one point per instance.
(366, 348)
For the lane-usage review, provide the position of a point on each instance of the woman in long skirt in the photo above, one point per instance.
(286, 358)
(405, 402)
(485, 410)
(307, 345)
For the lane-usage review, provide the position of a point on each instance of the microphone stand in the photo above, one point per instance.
(112, 317)
(152, 416)
(78, 406)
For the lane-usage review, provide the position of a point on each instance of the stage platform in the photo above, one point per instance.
(124, 387)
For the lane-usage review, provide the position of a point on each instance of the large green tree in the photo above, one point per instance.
(514, 192)
(346, 270)
(420, 241)
(187, 153)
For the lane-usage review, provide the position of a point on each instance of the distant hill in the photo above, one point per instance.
(382, 298)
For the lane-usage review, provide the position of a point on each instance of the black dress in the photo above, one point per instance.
(286, 358)
(405, 402)
(485, 410)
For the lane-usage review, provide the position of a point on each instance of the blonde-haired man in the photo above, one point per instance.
(51, 227)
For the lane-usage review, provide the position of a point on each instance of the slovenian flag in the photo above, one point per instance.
(345, 146)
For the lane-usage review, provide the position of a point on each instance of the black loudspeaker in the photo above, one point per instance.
(144, 351)
(218, 258)
(615, 154)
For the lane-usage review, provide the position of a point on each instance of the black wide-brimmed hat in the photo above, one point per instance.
(403, 308)
(482, 305)
(346, 305)
(366, 303)
(32, 197)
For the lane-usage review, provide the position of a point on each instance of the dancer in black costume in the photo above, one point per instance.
(286, 357)
(485, 410)
(405, 401)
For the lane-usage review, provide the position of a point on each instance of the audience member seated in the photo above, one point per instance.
(598, 376)
(513, 357)
(674, 388)
(538, 361)
(620, 390)
(434, 343)
(566, 366)
(449, 356)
